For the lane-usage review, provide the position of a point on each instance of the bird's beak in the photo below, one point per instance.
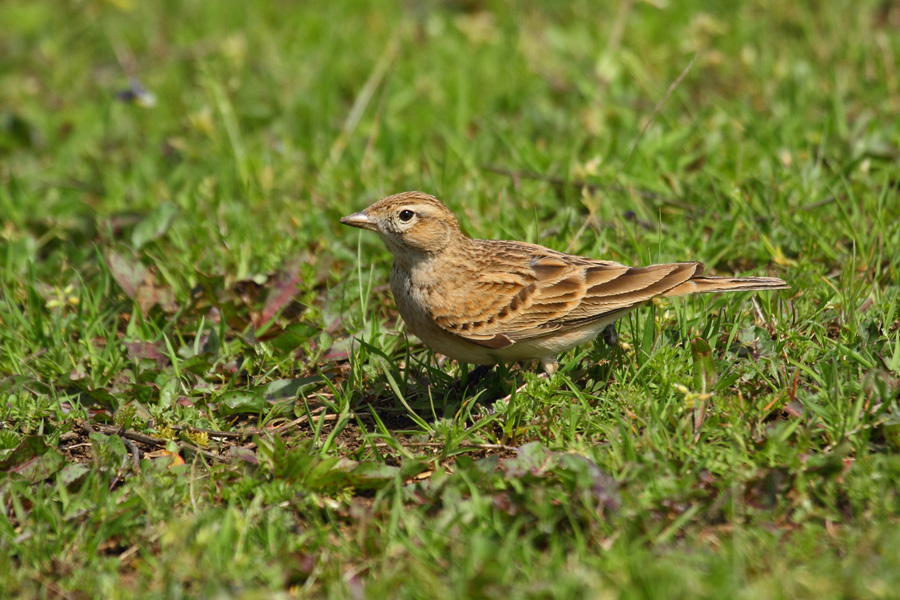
(361, 220)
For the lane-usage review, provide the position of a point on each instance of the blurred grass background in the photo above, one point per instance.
(171, 179)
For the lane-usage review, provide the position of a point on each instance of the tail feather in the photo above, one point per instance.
(703, 285)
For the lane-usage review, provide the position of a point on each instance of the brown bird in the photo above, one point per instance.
(493, 301)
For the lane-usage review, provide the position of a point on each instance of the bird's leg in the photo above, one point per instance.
(472, 377)
(478, 373)
(610, 335)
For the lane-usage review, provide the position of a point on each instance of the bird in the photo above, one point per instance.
(495, 301)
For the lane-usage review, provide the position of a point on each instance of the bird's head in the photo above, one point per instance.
(409, 223)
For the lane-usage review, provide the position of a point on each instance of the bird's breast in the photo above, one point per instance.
(416, 296)
(411, 299)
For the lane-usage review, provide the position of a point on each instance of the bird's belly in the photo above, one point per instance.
(554, 344)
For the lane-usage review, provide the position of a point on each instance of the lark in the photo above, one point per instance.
(494, 301)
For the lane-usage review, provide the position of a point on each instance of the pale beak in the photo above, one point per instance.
(361, 220)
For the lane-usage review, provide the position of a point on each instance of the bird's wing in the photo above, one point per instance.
(538, 292)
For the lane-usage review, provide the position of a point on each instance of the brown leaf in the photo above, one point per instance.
(284, 288)
(32, 460)
(794, 409)
(147, 351)
(150, 294)
(139, 283)
(127, 272)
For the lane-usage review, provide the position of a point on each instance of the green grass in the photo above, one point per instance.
(206, 389)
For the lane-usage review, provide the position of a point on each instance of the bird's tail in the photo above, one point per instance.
(703, 285)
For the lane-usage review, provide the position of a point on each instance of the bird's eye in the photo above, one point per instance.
(406, 215)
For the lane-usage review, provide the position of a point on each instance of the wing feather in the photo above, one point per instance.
(544, 291)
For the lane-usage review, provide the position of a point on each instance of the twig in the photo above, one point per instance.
(68, 436)
(305, 418)
(246, 433)
(201, 451)
(81, 445)
(131, 435)
(86, 425)
(135, 454)
(445, 445)
(759, 314)
(214, 432)
(125, 557)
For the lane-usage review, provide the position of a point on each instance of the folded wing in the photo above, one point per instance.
(553, 292)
